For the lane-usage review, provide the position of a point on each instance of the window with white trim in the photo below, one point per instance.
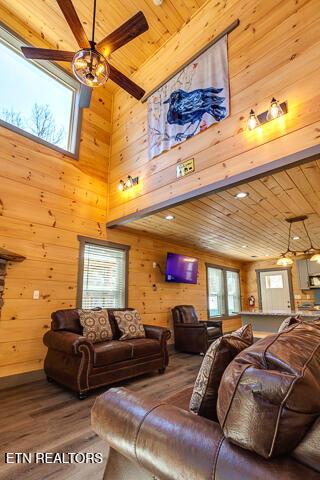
(102, 274)
(38, 99)
(223, 285)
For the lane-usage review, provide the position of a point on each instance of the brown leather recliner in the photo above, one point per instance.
(190, 334)
(82, 366)
(150, 438)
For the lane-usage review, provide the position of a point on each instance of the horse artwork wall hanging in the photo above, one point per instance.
(191, 101)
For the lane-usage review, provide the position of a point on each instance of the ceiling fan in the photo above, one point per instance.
(89, 66)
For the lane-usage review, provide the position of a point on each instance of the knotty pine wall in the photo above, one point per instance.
(46, 200)
(274, 52)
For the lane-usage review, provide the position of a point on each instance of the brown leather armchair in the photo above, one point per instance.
(190, 334)
(82, 366)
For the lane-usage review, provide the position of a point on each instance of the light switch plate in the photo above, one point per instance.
(185, 168)
(36, 294)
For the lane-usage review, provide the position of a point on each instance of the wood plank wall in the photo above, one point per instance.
(46, 200)
(274, 52)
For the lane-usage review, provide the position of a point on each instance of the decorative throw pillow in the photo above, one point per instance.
(220, 353)
(130, 324)
(287, 322)
(96, 325)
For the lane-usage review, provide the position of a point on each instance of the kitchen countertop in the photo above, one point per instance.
(303, 313)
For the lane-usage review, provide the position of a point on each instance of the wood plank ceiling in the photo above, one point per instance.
(251, 228)
(46, 19)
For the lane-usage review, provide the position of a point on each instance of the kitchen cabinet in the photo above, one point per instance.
(306, 268)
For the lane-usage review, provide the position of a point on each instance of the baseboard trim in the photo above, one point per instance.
(21, 379)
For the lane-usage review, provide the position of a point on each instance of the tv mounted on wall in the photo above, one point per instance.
(181, 269)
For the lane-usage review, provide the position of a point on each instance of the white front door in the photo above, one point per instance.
(275, 291)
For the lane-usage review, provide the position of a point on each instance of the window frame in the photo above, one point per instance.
(104, 243)
(81, 95)
(224, 270)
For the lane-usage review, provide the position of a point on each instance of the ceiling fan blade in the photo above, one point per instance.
(125, 83)
(124, 34)
(74, 23)
(47, 54)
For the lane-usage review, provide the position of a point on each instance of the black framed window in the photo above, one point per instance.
(103, 274)
(224, 296)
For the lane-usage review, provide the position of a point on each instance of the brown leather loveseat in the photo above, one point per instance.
(80, 365)
(269, 420)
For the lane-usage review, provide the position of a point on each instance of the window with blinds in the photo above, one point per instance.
(103, 276)
(224, 298)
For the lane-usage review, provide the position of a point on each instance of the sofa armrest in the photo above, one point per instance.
(64, 341)
(172, 444)
(157, 333)
(190, 326)
(167, 441)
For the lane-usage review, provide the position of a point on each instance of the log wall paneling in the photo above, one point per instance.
(258, 71)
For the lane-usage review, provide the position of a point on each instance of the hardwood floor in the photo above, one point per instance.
(44, 417)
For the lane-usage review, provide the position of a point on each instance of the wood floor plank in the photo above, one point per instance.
(45, 417)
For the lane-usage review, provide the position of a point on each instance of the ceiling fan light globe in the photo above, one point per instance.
(90, 68)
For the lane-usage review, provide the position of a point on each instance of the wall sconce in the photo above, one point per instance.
(129, 183)
(275, 110)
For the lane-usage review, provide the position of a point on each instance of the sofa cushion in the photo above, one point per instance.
(107, 353)
(130, 324)
(287, 322)
(96, 325)
(144, 346)
(220, 353)
(269, 395)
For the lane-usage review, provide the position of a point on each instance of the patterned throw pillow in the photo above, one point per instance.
(220, 353)
(96, 325)
(288, 322)
(130, 324)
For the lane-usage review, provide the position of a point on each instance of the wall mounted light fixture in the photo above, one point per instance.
(275, 110)
(129, 183)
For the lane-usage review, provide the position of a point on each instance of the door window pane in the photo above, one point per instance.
(216, 297)
(274, 281)
(233, 286)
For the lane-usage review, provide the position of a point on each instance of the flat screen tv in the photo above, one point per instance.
(181, 269)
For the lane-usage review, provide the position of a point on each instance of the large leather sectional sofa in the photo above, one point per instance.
(80, 365)
(152, 439)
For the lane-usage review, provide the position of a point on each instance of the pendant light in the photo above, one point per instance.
(285, 260)
(315, 258)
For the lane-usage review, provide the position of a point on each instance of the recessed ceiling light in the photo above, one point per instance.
(241, 194)
(296, 238)
(169, 217)
(244, 246)
(267, 255)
